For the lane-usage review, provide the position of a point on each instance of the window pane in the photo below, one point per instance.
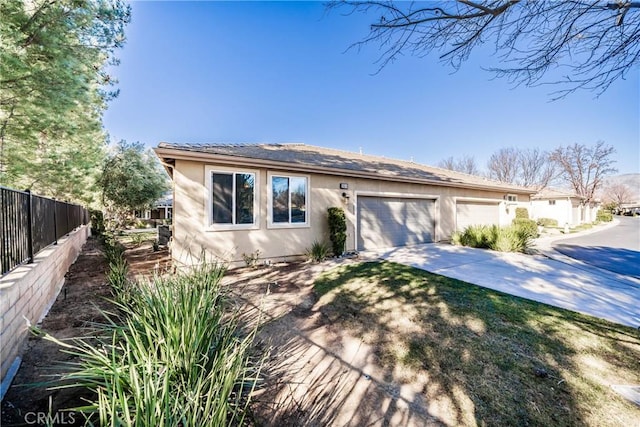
(245, 184)
(280, 199)
(222, 185)
(298, 199)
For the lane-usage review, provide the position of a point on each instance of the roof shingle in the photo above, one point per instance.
(312, 156)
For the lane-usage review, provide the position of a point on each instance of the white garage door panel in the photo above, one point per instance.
(473, 213)
(388, 222)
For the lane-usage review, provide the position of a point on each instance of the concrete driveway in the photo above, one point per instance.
(591, 291)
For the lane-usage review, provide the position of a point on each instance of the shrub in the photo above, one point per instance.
(527, 226)
(477, 236)
(137, 239)
(178, 358)
(547, 222)
(97, 222)
(319, 251)
(337, 230)
(456, 238)
(522, 213)
(511, 239)
(113, 250)
(514, 238)
(251, 259)
(604, 216)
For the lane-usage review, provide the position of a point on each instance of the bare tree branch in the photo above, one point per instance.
(596, 42)
(617, 193)
(584, 168)
(465, 164)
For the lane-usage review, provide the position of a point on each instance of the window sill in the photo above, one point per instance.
(286, 225)
(232, 227)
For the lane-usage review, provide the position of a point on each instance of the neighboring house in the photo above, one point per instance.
(162, 210)
(234, 199)
(565, 207)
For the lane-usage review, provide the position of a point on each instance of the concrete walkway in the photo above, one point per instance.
(561, 283)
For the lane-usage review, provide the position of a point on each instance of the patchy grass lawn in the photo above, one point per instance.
(490, 358)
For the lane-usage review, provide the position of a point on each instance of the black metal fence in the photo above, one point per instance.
(30, 223)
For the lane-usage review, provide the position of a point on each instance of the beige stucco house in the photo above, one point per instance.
(565, 207)
(235, 199)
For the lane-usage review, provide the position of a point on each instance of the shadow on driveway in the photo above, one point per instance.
(621, 261)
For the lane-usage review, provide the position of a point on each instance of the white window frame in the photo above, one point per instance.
(511, 198)
(270, 223)
(208, 177)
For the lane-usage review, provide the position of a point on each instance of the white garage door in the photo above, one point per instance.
(388, 222)
(475, 213)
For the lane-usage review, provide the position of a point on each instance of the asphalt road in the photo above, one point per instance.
(616, 249)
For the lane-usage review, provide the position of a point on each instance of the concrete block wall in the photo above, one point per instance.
(27, 293)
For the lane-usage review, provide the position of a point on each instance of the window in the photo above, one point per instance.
(233, 198)
(552, 202)
(511, 198)
(289, 199)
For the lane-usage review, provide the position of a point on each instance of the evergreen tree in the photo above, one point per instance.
(53, 91)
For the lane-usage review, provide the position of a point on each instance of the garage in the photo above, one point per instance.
(394, 221)
(476, 213)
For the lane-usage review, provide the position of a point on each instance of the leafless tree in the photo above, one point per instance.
(524, 167)
(617, 193)
(593, 42)
(535, 168)
(503, 165)
(584, 167)
(465, 164)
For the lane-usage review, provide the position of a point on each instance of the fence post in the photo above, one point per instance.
(55, 222)
(66, 210)
(30, 226)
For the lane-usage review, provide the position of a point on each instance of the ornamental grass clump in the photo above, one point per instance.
(514, 238)
(319, 251)
(477, 236)
(177, 356)
(511, 239)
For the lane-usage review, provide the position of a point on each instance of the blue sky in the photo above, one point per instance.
(282, 72)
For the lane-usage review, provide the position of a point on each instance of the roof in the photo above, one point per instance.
(165, 201)
(301, 157)
(554, 193)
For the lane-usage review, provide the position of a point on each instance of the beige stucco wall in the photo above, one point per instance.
(192, 237)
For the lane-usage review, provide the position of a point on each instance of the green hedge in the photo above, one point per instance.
(97, 222)
(522, 213)
(337, 230)
(604, 216)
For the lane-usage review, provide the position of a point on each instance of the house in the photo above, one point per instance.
(564, 206)
(161, 211)
(235, 199)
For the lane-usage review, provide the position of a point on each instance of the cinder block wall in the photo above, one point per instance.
(29, 291)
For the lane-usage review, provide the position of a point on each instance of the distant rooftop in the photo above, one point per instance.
(308, 156)
(555, 193)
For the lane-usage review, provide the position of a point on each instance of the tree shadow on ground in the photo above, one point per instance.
(390, 345)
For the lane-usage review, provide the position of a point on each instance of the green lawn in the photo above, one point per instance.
(492, 358)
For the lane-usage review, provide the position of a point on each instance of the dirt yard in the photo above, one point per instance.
(315, 374)
(84, 295)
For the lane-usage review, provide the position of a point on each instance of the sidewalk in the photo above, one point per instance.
(554, 281)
